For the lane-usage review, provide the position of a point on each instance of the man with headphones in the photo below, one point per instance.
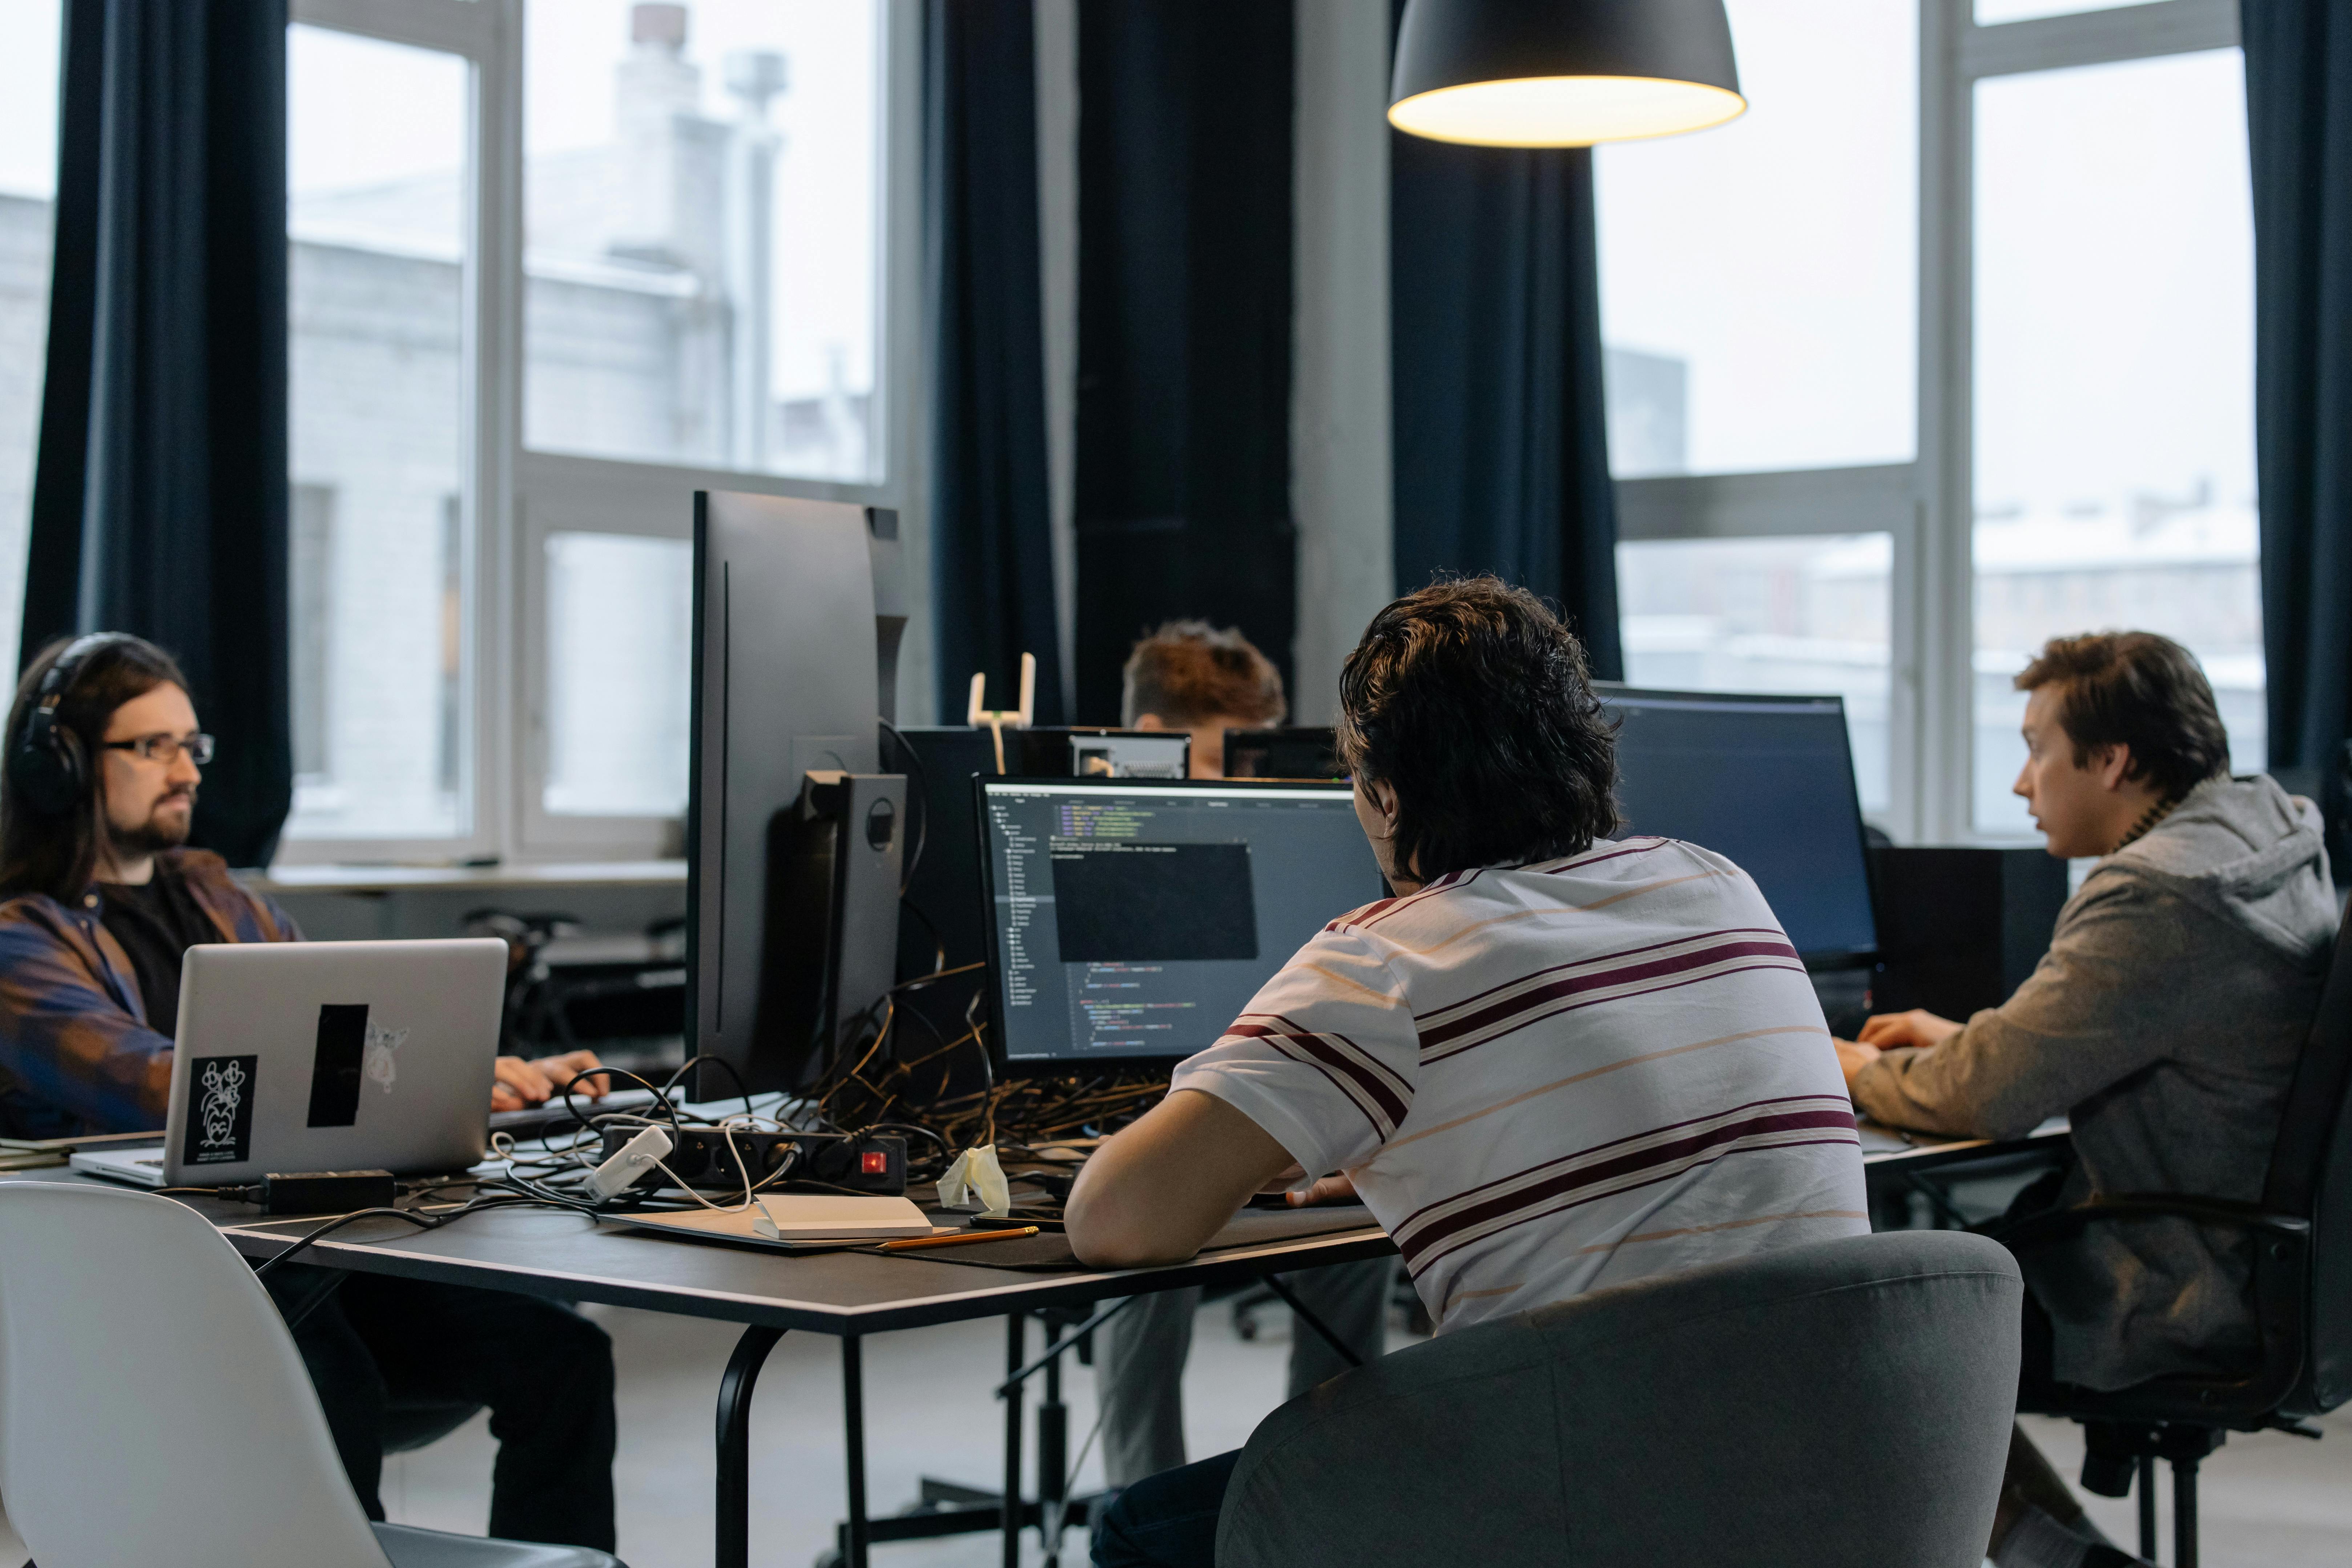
(99, 900)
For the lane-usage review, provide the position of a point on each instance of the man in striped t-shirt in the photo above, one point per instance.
(1552, 1062)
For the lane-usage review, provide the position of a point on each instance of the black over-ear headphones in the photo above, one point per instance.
(45, 765)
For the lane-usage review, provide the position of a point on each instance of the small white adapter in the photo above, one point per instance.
(632, 1160)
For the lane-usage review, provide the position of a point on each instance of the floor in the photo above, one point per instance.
(2268, 1502)
(929, 1412)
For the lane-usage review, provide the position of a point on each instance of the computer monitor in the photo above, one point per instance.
(1765, 780)
(1131, 922)
(1300, 752)
(791, 890)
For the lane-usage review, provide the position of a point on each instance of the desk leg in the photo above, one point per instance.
(734, 1523)
(852, 1409)
(1015, 1351)
(1053, 1453)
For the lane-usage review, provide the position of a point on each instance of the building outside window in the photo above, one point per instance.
(1758, 286)
(2115, 383)
(699, 232)
(1943, 349)
(1885, 448)
(28, 178)
(378, 247)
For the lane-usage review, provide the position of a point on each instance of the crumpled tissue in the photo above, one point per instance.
(976, 1177)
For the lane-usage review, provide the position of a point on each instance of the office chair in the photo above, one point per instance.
(1844, 1402)
(2302, 1278)
(152, 1408)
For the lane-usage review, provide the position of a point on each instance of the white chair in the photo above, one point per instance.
(153, 1408)
(13, 1553)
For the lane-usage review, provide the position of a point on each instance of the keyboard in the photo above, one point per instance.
(534, 1120)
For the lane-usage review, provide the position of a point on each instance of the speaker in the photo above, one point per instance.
(1959, 930)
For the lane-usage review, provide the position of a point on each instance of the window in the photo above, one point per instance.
(1794, 615)
(29, 176)
(1756, 281)
(556, 265)
(1887, 446)
(377, 265)
(2114, 358)
(618, 656)
(1990, 11)
(1757, 289)
(701, 233)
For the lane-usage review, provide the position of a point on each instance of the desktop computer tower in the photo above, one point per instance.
(1959, 930)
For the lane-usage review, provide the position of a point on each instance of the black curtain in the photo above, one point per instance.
(2299, 113)
(1184, 321)
(992, 527)
(1501, 446)
(160, 490)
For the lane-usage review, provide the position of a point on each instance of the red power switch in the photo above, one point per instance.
(874, 1162)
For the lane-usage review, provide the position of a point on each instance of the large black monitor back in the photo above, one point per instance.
(785, 681)
(1297, 752)
(1961, 928)
(1767, 781)
(944, 890)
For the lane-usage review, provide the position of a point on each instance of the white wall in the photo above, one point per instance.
(1339, 492)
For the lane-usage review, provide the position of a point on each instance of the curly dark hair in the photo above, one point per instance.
(1190, 670)
(1471, 700)
(2136, 689)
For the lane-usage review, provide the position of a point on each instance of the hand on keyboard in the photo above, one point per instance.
(520, 1084)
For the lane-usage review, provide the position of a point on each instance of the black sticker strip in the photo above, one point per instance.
(335, 1065)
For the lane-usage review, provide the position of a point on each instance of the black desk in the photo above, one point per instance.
(1896, 1163)
(571, 1258)
(543, 1252)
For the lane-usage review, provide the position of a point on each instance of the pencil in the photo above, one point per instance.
(910, 1243)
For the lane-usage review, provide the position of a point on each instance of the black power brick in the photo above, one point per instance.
(324, 1191)
(703, 1159)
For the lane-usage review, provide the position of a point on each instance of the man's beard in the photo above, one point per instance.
(154, 835)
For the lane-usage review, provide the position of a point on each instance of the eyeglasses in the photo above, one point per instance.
(167, 749)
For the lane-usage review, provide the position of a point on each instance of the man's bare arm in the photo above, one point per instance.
(1155, 1192)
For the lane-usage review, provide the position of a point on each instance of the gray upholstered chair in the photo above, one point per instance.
(1844, 1402)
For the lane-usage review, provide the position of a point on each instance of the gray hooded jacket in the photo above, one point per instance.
(2166, 1021)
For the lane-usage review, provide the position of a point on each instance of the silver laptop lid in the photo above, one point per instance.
(327, 1056)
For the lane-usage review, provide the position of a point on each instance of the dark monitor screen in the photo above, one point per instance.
(1135, 921)
(1765, 781)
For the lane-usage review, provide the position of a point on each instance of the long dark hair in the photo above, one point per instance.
(40, 853)
(1471, 701)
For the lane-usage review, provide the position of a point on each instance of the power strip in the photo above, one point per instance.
(702, 1159)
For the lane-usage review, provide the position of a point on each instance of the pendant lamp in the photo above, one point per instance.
(1562, 73)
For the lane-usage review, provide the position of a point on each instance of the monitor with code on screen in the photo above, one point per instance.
(1131, 922)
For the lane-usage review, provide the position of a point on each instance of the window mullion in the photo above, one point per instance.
(1934, 578)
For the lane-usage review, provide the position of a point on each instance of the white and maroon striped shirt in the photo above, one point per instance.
(1558, 1077)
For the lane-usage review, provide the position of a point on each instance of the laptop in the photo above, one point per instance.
(324, 1056)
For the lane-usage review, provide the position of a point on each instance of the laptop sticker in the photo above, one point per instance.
(220, 1110)
(335, 1065)
(382, 1065)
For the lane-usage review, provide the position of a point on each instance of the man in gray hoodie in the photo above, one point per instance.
(2165, 1020)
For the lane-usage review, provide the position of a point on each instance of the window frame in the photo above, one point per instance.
(1929, 504)
(514, 496)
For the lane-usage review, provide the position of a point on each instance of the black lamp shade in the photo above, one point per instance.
(1562, 73)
